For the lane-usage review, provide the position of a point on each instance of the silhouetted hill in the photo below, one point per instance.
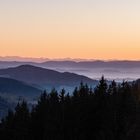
(14, 88)
(44, 77)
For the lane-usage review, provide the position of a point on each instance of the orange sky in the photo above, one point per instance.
(76, 29)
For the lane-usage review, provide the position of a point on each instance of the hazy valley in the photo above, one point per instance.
(118, 70)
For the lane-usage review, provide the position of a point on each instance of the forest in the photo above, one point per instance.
(107, 112)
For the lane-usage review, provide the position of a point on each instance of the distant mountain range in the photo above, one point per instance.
(92, 64)
(45, 78)
(74, 64)
(118, 70)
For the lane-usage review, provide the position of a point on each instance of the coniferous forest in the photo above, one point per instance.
(108, 112)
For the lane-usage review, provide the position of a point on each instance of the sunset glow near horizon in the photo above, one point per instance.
(88, 29)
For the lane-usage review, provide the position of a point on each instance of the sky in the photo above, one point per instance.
(88, 29)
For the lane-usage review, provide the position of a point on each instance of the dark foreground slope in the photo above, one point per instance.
(107, 113)
(4, 107)
(14, 88)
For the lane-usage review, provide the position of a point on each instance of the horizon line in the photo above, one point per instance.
(42, 59)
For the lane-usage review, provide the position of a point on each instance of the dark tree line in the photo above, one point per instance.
(109, 112)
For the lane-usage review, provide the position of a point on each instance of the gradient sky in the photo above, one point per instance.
(96, 29)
